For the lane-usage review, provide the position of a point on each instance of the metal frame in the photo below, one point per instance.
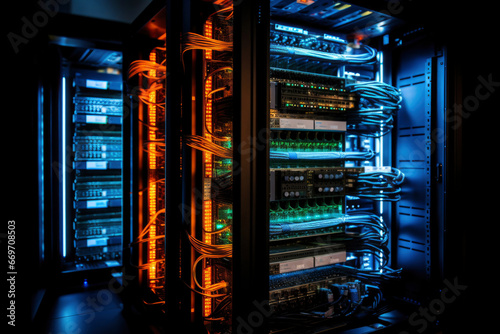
(250, 165)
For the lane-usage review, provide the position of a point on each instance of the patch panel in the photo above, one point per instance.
(294, 211)
(305, 141)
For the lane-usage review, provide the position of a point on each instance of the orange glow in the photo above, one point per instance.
(208, 33)
(207, 161)
(207, 303)
(152, 185)
(207, 220)
(152, 118)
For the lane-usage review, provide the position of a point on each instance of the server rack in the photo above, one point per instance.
(417, 221)
(79, 115)
(252, 137)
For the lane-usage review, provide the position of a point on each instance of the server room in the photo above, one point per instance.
(249, 166)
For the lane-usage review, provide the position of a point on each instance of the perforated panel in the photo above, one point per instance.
(413, 147)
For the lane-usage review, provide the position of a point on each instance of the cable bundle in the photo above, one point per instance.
(304, 226)
(395, 176)
(210, 250)
(193, 41)
(322, 155)
(379, 185)
(370, 122)
(377, 94)
(155, 87)
(357, 219)
(203, 144)
(144, 66)
(361, 58)
(145, 230)
(379, 103)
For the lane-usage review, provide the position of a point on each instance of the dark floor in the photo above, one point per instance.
(92, 310)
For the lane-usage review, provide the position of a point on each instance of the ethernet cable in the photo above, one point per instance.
(203, 144)
(377, 93)
(211, 287)
(321, 155)
(379, 185)
(362, 58)
(379, 103)
(357, 219)
(148, 225)
(210, 250)
(155, 87)
(193, 41)
(144, 66)
(395, 176)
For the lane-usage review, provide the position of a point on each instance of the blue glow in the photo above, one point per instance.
(41, 174)
(352, 74)
(334, 38)
(380, 143)
(85, 283)
(291, 29)
(63, 169)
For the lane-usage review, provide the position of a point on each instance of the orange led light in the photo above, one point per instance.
(207, 303)
(208, 168)
(152, 185)
(152, 117)
(208, 33)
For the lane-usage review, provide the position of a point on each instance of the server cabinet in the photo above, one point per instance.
(81, 156)
(301, 164)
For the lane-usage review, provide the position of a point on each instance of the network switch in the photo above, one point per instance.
(306, 183)
(97, 105)
(303, 97)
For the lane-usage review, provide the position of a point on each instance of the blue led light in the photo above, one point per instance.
(291, 29)
(334, 38)
(41, 172)
(63, 169)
